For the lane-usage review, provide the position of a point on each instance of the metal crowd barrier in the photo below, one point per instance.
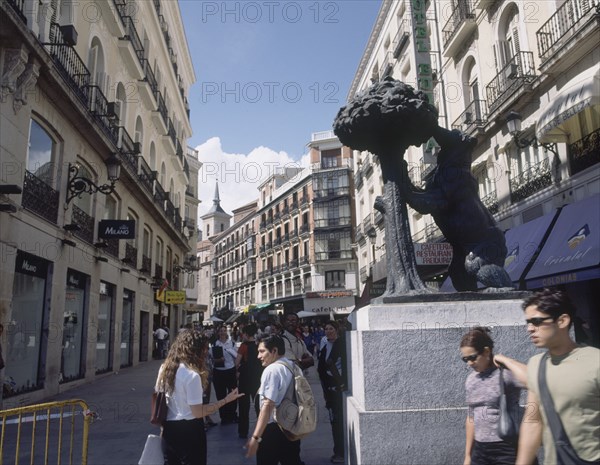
(52, 433)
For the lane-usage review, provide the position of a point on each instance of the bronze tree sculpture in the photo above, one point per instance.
(385, 120)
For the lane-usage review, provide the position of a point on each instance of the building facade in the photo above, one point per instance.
(81, 89)
(524, 80)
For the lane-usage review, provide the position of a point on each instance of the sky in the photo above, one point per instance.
(268, 75)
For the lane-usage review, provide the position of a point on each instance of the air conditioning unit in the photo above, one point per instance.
(69, 34)
(114, 109)
(511, 71)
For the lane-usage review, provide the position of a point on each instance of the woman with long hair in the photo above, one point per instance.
(483, 445)
(183, 377)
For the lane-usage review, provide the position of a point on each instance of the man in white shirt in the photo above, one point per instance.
(295, 349)
(224, 376)
(162, 339)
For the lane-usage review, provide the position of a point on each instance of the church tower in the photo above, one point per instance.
(216, 220)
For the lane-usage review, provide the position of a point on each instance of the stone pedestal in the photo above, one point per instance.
(406, 402)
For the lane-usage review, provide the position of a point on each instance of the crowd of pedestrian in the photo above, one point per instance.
(250, 367)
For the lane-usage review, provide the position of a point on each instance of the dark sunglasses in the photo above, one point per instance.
(538, 320)
(470, 358)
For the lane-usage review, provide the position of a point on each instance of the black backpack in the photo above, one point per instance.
(250, 369)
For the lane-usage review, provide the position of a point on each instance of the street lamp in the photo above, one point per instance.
(513, 122)
(77, 185)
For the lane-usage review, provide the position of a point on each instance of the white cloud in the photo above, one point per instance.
(238, 174)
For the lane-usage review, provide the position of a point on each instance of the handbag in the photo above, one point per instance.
(217, 353)
(159, 408)
(153, 451)
(508, 424)
(565, 454)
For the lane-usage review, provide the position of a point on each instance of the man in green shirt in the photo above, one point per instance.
(572, 377)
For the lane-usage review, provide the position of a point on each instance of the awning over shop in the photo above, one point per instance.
(581, 92)
(522, 242)
(572, 251)
(233, 318)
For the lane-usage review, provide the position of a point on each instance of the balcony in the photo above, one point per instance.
(170, 138)
(304, 230)
(333, 255)
(146, 176)
(129, 151)
(160, 117)
(364, 274)
(335, 222)
(148, 87)
(130, 255)
(530, 181)
(322, 135)
(518, 72)
(327, 194)
(160, 196)
(112, 247)
(146, 265)
(473, 119)
(585, 152)
(458, 27)
(575, 24)
(491, 202)
(304, 201)
(358, 179)
(103, 113)
(131, 47)
(402, 38)
(40, 198)
(158, 271)
(69, 64)
(18, 7)
(86, 225)
(387, 65)
(304, 261)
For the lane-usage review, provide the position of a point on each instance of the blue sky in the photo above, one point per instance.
(268, 75)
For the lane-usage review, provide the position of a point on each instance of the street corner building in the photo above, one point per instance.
(98, 189)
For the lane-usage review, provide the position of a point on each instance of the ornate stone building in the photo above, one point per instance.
(85, 87)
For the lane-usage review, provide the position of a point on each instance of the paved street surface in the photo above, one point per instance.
(123, 403)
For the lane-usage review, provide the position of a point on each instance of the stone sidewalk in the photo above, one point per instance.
(122, 402)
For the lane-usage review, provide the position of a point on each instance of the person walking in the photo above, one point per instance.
(295, 349)
(268, 442)
(483, 446)
(572, 380)
(183, 378)
(162, 341)
(332, 373)
(224, 377)
(249, 371)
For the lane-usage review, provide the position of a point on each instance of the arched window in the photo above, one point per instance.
(139, 131)
(41, 153)
(163, 174)
(96, 64)
(508, 45)
(121, 98)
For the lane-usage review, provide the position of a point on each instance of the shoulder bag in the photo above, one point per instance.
(508, 424)
(565, 454)
(159, 408)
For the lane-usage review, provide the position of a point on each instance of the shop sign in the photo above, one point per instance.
(336, 305)
(116, 229)
(31, 265)
(328, 294)
(422, 48)
(76, 279)
(433, 253)
(175, 297)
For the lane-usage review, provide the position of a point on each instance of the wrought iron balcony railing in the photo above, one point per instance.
(146, 176)
(99, 107)
(158, 271)
(402, 37)
(520, 70)
(585, 152)
(491, 202)
(130, 255)
(19, 7)
(146, 265)
(132, 35)
(129, 151)
(86, 224)
(474, 116)
(463, 11)
(562, 25)
(162, 108)
(530, 181)
(112, 247)
(69, 64)
(39, 197)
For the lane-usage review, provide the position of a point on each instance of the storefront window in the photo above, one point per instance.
(73, 324)
(104, 330)
(24, 330)
(127, 327)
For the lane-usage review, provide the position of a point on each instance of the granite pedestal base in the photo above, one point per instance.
(406, 402)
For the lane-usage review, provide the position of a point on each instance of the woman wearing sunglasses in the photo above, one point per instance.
(483, 445)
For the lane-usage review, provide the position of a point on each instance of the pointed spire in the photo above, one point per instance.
(216, 206)
(216, 198)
